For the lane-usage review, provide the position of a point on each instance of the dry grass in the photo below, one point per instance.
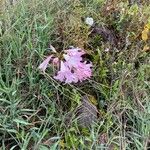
(37, 112)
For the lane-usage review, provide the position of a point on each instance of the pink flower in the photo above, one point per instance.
(73, 57)
(73, 61)
(83, 71)
(56, 61)
(74, 52)
(44, 64)
(72, 68)
(65, 74)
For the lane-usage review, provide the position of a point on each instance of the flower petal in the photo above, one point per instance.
(65, 74)
(44, 64)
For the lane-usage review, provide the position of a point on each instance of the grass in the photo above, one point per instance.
(39, 113)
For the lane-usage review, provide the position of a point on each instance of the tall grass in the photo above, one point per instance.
(37, 112)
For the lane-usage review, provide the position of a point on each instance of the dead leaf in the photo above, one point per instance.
(93, 100)
(145, 34)
(146, 48)
(106, 34)
(86, 112)
(147, 26)
(62, 144)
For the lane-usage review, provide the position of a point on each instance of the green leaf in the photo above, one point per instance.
(42, 147)
(20, 121)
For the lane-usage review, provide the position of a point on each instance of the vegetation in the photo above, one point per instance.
(39, 113)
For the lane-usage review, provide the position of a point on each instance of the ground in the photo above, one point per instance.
(37, 112)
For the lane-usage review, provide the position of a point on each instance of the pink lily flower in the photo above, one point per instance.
(72, 68)
(74, 52)
(56, 61)
(44, 64)
(73, 61)
(83, 71)
(65, 74)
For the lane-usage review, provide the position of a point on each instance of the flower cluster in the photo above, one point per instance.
(72, 68)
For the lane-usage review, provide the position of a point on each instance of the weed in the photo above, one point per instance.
(37, 112)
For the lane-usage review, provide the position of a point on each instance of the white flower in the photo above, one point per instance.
(107, 50)
(89, 21)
